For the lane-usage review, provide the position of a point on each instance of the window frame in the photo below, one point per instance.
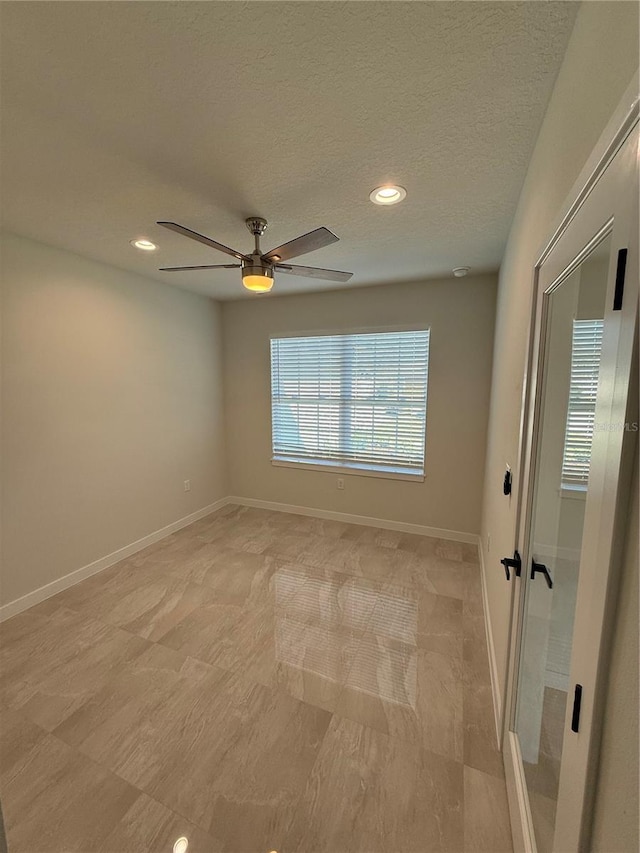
(355, 469)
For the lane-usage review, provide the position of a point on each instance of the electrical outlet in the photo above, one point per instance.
(187, 485)
(488, 542)
(340, 483)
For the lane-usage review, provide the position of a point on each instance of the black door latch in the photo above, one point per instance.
(512, 563)
(620, 272)
(540, 567)
(577, 704)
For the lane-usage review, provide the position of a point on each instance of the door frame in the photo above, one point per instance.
(572, 832)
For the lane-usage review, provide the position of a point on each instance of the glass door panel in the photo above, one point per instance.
(574, 325)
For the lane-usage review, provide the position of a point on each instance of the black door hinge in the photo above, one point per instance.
(512, 563)
(620, 273)
(577, 702)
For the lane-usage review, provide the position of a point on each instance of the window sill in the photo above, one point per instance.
(357, 470)
(574, 493)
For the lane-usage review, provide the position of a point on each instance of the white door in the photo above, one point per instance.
(580, 430)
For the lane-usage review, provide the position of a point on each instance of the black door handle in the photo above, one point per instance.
(512, 563)
(540, 567)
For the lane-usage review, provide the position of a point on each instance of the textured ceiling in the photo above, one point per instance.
(119, 114)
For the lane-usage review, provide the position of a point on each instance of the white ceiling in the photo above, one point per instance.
(119, 114)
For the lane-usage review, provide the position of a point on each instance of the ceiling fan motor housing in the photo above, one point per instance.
(256, 266)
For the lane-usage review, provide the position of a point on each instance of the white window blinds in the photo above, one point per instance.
(351, 400)
(585, 366)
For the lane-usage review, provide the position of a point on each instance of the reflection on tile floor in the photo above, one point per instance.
(543, 777)
(257, 681)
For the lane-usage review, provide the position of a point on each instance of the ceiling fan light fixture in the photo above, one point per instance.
(389, 194)
(258, 282)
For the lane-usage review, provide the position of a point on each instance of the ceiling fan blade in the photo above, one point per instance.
(207, 241)
(205, 267)
(314, 272)
(301, 245)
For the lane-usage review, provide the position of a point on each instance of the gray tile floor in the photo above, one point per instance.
(257, 681)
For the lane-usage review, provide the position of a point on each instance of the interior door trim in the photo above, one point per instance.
(619, 138)
(622, 124)
(519, 812)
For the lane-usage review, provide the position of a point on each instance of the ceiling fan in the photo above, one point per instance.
(258, 268)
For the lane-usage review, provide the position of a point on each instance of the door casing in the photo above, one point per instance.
(611, 173)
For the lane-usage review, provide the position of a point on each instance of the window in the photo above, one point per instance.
(583, 387)
(357, 401)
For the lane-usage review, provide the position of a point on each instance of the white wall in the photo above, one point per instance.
(111, 398)
(460, 314)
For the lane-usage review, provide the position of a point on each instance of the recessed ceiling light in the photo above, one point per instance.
(181, 845)
(460, 272)
(389, 194)
(145, 245)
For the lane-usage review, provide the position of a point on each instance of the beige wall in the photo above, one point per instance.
(460, 315)
(111, 398)
(601, 58)
(615, 818)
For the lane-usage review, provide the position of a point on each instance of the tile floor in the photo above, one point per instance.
(257, 681)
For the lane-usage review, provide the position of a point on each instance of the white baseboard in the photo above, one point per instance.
(493, 665)
(12, 608)
(365, 520)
